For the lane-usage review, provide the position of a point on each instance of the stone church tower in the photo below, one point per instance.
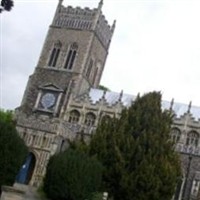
(72, 61)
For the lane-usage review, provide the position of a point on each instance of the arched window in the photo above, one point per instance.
(89, 69)
(94, 76)
(175, 135)
(90, 119)
(54, 54)
(71, 56)
(97, 71)
(74, 116)
(192, 138)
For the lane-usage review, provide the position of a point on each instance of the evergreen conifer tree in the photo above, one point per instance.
(72, 175)
(6, 5)
(138, 157)
(13, 150)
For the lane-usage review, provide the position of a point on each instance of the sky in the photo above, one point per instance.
(156, 46)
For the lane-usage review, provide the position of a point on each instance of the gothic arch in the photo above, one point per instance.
(175, 134)
(97, 72)
(71, 55)
(58, 44)
(192, 138)
(90, 119)
(74, 116)
(89, 68)
(54, 53)
(27, 170)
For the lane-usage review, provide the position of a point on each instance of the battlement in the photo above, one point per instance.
(75, 18)
(85, 19)
(104, 30)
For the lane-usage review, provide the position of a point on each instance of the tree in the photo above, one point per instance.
(72, 175)
(138, 157)
(6, 5)
(13, 150)
(102, 87)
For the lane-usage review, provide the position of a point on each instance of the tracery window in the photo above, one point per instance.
(74, 116)
(175, 135)
(90, 119)
(71, 56)
(192, 138)
(54, 54)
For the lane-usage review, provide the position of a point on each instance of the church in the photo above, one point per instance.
(62, 101)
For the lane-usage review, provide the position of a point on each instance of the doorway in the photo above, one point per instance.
(25, 174)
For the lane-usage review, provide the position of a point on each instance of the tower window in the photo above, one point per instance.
(89, 69)
(95, 74)
(54, 54)
(71, 56)
(56, 57)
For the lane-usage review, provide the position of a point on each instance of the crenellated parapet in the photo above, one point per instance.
(104, 31)
(76, 18)
(114, 102)
(85, 19)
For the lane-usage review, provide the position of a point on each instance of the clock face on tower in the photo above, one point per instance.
(48, 100)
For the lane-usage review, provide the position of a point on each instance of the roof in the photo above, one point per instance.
(112, 98)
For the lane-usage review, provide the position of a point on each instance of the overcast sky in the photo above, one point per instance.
(156, 46)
